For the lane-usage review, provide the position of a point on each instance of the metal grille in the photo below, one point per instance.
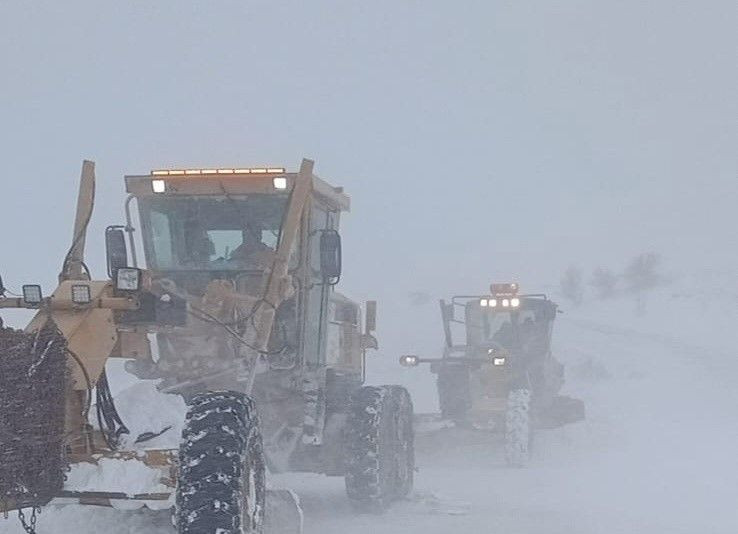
(32, 401)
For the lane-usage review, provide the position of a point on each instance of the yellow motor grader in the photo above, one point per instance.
(234, 308)
(504, 372)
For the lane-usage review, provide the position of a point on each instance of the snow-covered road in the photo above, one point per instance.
(656, 455)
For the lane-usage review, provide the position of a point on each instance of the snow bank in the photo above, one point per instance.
(144, 409)
(131, 477)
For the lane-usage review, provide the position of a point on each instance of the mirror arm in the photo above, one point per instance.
(129, 228)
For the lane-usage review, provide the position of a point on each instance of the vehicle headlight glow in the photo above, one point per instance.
(505, 303)
(484, 303)
(493, 303)
(128, 279)
(158, 186)
(499, 361)
(280, 182)
(515, 302)
(409, 361)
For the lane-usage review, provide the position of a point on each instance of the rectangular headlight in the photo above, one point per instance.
(32, 294)
(499, 361)
(128, 279)
(81, 294)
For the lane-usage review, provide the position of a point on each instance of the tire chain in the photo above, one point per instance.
(30, 526)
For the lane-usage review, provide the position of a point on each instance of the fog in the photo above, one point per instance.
(479, 142)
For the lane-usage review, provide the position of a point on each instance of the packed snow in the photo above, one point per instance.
(131, 477)
(146, 410)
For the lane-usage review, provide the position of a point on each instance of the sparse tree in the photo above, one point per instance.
(641, 276)
(572, 287)
(604, 282)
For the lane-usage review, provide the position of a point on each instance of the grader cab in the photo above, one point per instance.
(234, 308)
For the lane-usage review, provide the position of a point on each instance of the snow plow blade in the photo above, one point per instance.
(283, 512)
(562, 411)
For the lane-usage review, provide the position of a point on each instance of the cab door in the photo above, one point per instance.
(317, 292)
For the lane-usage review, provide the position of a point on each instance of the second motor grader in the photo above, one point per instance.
(235, 309)
(503, 373)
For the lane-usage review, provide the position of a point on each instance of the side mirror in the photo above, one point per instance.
(371, 316)
(447, 311)
(115, 249)
(330, 256)
(368, 341)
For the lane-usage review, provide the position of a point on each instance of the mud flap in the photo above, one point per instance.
(562, 411)
(283, 512)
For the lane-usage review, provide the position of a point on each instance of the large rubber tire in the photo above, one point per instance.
(380, 447)
(221, 484)
(453, 392)
(518, 429)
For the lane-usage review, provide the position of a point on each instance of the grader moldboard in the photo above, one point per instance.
(504, 372)
(236, 310)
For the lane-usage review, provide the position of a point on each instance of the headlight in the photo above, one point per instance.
(409, 361)
(499, 361)
(32, 294)
(158, 186)
(279, 182)
(128, 279)
(81, 294)
(515, 302)
(483, 303)
(505, 303)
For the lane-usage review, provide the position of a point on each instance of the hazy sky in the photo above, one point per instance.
(479, 141)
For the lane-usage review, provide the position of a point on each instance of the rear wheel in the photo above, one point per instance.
(380, 447)
(221, 487)
(518, 432)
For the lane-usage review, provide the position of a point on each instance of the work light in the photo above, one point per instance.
(32, 294)
(409, 361)
(128, 279)
(81, 294)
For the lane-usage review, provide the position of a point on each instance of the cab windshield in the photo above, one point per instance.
(521, 329)
(507, 328)
(237, 233)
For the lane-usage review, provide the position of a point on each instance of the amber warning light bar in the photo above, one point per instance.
(206, 172)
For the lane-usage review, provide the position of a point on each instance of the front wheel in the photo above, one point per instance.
(221, 485)
(380, 447)
(518, 432)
